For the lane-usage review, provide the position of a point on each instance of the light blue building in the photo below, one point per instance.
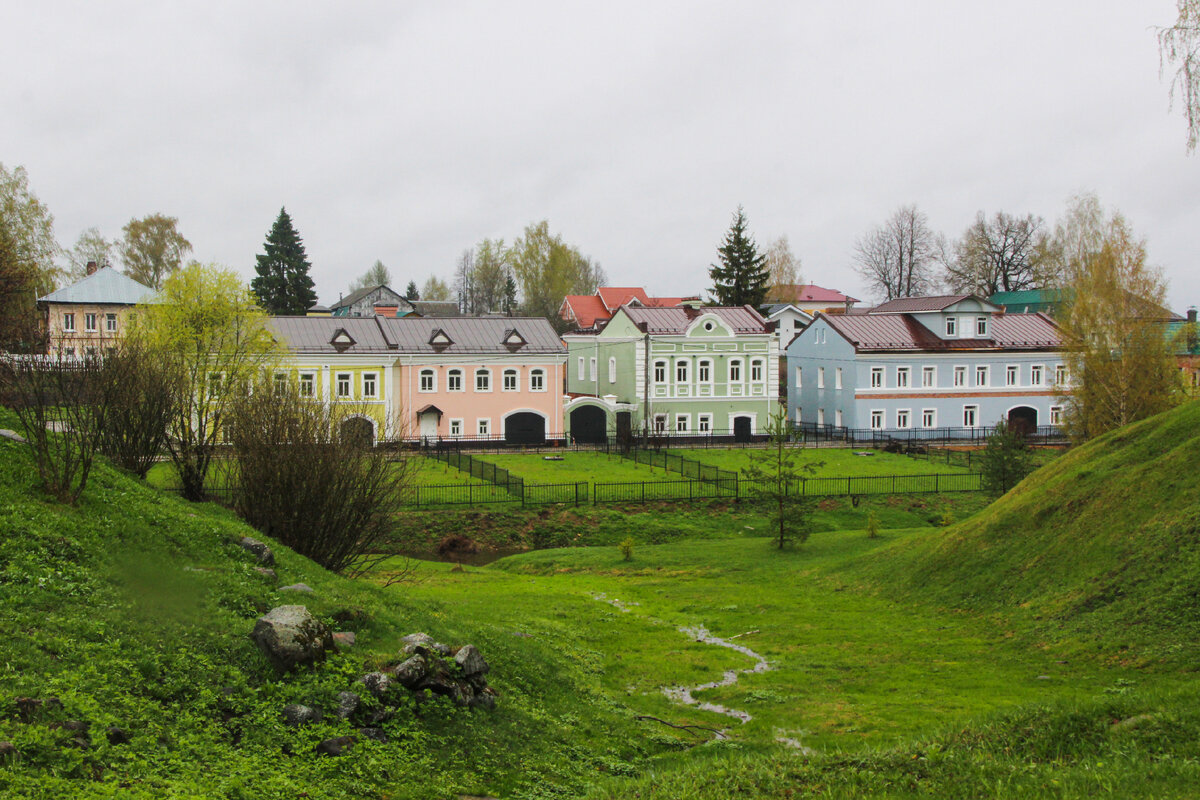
(925, 363)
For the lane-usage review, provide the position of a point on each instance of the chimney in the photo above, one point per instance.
(1192, 315)
(386, 309)
(91, 267)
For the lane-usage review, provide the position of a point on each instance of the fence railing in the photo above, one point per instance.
(673, 462)
(483, 470)
(916, 437)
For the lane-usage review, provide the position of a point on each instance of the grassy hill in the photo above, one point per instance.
(1098, 551)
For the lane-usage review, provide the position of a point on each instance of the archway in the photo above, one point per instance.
(1023, 420)
(589, 424)
(359, 431)
(525, 427)
(742, 427)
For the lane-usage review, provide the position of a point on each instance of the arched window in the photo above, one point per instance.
(660, 372)
(756, 371)
(704, 371)
(454, 380)
(735, 370)
(483, 380)
(681, 372)
(537, 380)
(510, 380)
(612, 370)
(427, 381)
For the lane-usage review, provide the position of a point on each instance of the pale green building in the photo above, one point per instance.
(682, 371)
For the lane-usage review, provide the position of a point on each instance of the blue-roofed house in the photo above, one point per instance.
(924, 363)
(93, 313)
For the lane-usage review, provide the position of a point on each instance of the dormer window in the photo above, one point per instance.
(951, 326)
(981, 326)
(341, 340)
(439, 341)
(513, 340)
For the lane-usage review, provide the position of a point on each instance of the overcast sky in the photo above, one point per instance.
(408, 132)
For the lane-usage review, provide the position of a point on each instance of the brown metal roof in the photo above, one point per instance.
(675, 321)
(902, 332)
(469, 335)
(911, 305)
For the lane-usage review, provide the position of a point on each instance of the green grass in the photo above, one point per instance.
(576, 466)
(836, 462)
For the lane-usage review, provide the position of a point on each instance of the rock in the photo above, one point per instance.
(415, 640)
(348, 703)
(75, 726)
(335, 746)
(265, 557)
(7, 749)
(374, 734)
(117, 735)
(457, 568)
(1131, 723)
(377, 683)
(443, 649)
(296, 587)
(344, 639)
(485, 700)
(296, 715)
(412, 672)
(13, 436)
(267, 573)
(470, 661)
(290, 636)
(380, 716)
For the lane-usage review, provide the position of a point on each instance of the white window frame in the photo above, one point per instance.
(1056, 415)
(660, 423)
(660, 372)
(483, 426)
(981, 324)
(683, 371)
(279, 383)
(799, 377)
(110, 323)
(68, 322)
(757, 373)
(704, 371)
(820, 377)
(877, 419)
(216, 383)
(837, 418)
(683, 423)
(837, 378)
(928, 377)
(1061, 377)
(960, 374)
(1037, 375)
(877, 374)
(951, 327)
(456, 427)
(425, 386)
(704, 423)
(735, 370)
(820, 416)
(510, 380)
(592, 366)
(903, 377)
(89, 322)
(612, 369)
(308, 384)
(1012, 375)
(983, 371)
(970, 416)
(370, 385)
(929, 418)
(582, 369)
(486, 374)
(454, 376)
(344, 384)
(537, 380)
(903, 418)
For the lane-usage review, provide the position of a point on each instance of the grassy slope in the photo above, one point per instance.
(835, 462)
(1099, 550)
(134, 609)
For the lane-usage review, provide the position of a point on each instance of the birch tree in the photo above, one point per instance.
(897, 258)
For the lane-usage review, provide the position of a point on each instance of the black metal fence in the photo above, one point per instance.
(483, 470)
(673, 462)
(810, 432)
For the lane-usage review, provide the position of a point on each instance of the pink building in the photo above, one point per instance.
(435, 377)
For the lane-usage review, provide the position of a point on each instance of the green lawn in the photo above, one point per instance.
(576, 466)
(837, 462)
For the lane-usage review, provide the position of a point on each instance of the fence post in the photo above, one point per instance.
(643, 492)
(937, 480)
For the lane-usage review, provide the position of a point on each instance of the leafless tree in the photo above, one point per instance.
(1180, 44)
(61, 404)
(141, 404)
(996, 255)
(300, 476)
(785, 272)
(897, 258)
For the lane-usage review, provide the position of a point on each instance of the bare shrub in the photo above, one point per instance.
(142, 395)
(299, 480)
(62, 407)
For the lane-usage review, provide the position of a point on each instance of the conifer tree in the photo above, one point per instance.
(283, 285)
(411, 292)
(742, 276)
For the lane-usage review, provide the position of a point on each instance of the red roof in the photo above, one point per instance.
(586, 309)
(811, 293)
(902, 332)
(614, 297)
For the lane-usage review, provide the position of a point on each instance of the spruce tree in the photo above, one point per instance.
(411, 292)
(742, 276)
(283, 284)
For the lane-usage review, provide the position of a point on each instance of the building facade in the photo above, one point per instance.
(676, 370)
(432, 378)
(928, 363)
(90, 316)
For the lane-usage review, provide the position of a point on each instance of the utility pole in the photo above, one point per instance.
(646, 389)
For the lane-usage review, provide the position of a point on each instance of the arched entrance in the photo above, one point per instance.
(742, 427)
(589, 425)
(1023, 420)
(525, 427)
(358, 431)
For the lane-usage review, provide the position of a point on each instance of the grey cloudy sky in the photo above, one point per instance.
(407, 132)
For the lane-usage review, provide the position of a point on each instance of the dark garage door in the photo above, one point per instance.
(525, 428)
(589, 424)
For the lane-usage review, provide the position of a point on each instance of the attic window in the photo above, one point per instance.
(341, 340)
(708, 326)
(513, 339)
(439, 340)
